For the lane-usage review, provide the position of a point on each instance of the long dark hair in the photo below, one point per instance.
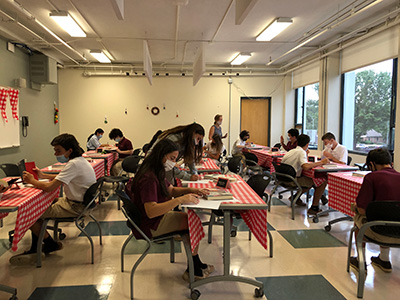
(68, 141)
(217, 142)
(191, 152)
(154, 163)
(98, 130)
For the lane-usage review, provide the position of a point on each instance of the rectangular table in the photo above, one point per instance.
(254, 213)
(319, 174)
(207, 165)
(97, 165)
(265, 156)
(108, 158)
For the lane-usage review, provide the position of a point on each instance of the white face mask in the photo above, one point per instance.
(169, 165)
(328, 146)
(219, 123)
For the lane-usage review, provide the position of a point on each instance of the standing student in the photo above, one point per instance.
(93, 141)
(292, 136)
(125, 148)
(216, 128)
(240, 143)
(333, 150)
(77, 176)
(379, 185)
(214, 148)
(155, 198)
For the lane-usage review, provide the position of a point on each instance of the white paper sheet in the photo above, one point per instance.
(208, 204)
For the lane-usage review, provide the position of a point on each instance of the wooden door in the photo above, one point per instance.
(255, 117)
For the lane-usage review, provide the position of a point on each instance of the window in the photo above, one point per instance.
(306, 112)
(368, 107)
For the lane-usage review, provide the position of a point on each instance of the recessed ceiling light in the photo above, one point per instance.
(67, 23)
(240, 58)
(273, 29)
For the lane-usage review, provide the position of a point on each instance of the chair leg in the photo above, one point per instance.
(249, 235)
(137, 263)
(210, 226)
(189, 257)
(99, 227)
(123, 250)
(55, 230)
(87, 235)
(361, 267)
(40, 244)
(349, 248)
(271, 244)
(172, 250)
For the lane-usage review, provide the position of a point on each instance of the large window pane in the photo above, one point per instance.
(367, 102)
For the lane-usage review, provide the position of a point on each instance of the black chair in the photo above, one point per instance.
(89, 200)
(277, 145)
(136, 152)
(145, 148)
(252, 163)
(285, 176)
(235, 165)
(383, 217)
(133, 217)
(10, 169)
(349, 159)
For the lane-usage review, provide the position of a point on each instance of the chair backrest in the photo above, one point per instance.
(92, 193)
(251, 156)
(259, 183)
(277, 145)
(131, 164)
(10, 169)
(284, 169)
(136, 151)
(349, 159)
(235, 164)
(146, 148)
(384, 211)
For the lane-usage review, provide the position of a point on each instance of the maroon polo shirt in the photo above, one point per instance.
(380, 185)
(289, 146)
(124, 145)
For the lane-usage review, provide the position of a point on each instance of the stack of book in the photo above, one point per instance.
(219, 195)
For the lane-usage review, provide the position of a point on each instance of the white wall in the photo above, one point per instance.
(84, 101)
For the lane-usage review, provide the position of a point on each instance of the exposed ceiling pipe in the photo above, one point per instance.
(32, 17)
(227, 75)
(326, 29)
(37, 36)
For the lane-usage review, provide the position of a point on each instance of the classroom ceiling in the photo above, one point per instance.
(176, 30)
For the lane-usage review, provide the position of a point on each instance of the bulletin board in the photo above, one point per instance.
(9, 118)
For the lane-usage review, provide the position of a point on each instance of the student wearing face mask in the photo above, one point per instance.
(292, 137)
(125, 148)
(216, 128)
(76, 177)
(189, 139)
(155, 198)
(240, 143)
(333, 150)
(93, 141)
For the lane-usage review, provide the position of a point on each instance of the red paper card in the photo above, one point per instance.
(29, 166)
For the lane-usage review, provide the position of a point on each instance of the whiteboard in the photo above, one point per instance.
(10, 131)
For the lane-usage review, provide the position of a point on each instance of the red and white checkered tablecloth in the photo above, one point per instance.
(343, 190)
(255, 219)
(31, 203)
(109, 158)
(208, 164)
(265, 157)
(317, 180)
(97, 165)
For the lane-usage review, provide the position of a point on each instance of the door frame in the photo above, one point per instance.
(269, 113)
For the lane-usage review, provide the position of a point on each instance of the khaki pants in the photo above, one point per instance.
(170, 222)
(117, 167)
(63, 208)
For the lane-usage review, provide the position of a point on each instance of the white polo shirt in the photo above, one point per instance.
(238, 142)
(340, 153)
(296, 158)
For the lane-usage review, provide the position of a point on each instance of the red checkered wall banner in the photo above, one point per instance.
(14, 102)
(3, 102)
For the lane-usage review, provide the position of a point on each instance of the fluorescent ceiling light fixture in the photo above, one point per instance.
(240, 58)
(67, 23)
(100, 56)
(273, 29)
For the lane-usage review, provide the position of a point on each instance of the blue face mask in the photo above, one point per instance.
(100, 136)
(117, 140)
(62, 159)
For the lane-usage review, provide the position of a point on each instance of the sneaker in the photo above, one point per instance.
(354, 264)
(299, 202)
(385, 266)
(312, 212)
(55, 247)
(25, 258)
(208, 269)
(185, 276)
(324, 200)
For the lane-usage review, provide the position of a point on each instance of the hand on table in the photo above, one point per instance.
(325, 161)
(202, 192)
(194, 177)
(189, 198)
(28, 177)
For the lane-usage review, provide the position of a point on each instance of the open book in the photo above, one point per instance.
(219, 195)
(361, 173)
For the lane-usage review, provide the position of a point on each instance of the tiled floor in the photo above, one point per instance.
(308, 263)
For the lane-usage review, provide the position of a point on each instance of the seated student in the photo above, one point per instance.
(379, 185)
(297, 158)
(77, 176)
(125, 148)
(155, 198)
(292, 136)
(240, 143)
(93, 141)
(214, 148)
(333, 150)
(189, 139)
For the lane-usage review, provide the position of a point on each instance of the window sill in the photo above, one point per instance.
(358, 152)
